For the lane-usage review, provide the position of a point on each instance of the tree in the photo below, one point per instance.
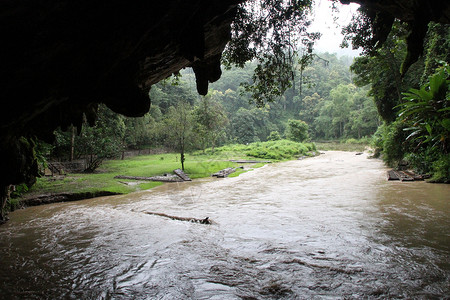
(381, 69)
(179, 128)
(102, 141)
(243, 127)
(209, 119)
(269, 31)
(309, 108)
(341, 97)
(415, 122)
(437, 45)
(364, 119)
(297, 131)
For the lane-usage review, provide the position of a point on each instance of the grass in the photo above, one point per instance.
(197, 165)
(274, 150)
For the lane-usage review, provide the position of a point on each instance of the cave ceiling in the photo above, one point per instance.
(59, 59)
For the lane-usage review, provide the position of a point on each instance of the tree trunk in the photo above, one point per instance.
(72, 143)
(182, 159)
(4, 196)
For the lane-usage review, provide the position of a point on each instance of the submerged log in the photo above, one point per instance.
(193, 220)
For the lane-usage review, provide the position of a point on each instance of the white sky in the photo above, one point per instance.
(323, 22)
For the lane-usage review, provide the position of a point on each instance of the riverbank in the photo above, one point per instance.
(75, 186)
(104, 181)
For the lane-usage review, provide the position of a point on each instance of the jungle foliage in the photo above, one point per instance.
(414, 105)
(321, 104)
(273, 34)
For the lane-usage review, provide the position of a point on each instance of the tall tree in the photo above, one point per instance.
(381, 69)
(178, 127)
(269, 31)
(209, 119)
(102, 141)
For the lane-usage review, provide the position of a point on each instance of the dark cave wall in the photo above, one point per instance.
(59, 59)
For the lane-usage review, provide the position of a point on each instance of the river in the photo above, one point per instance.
(326, 227)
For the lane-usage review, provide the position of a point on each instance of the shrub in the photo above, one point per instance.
(274, 136)
(441, 169)
(389, 141)
(297, 131)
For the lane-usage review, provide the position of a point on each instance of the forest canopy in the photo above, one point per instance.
(275, 84)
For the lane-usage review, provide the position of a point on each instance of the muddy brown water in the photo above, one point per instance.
(322, 228)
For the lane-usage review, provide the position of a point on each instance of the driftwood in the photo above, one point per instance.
(178, 177)
(169, 178)
(403, 175)
(244, 161)
(193, 220)
(182, 175)
(224, 173)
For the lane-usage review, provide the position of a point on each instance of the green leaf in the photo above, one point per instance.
(413, 134)
(409, 112)
(428, 127)
(444, 109)
(436, 81)
(446, 124)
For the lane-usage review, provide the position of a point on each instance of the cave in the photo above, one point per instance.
(60, 59)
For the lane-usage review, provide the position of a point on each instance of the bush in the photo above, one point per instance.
(422, 161)
(441, 169)
(274, 150)
(274, 136)
(297, 131)
(19, 190)
(351, 141)
(310, 146)
(389, 141)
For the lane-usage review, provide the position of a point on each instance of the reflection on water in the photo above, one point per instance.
(325, 227)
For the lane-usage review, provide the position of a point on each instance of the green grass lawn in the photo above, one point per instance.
(197, 165)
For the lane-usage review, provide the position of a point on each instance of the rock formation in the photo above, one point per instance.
(417, 14)
(59, 59)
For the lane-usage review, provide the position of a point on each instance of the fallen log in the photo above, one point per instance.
(414, 175)
(223, 173)
(168, 178)
(182, 175)
(391, 175)
(403, 175)
(193, 220)
(243, 161)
